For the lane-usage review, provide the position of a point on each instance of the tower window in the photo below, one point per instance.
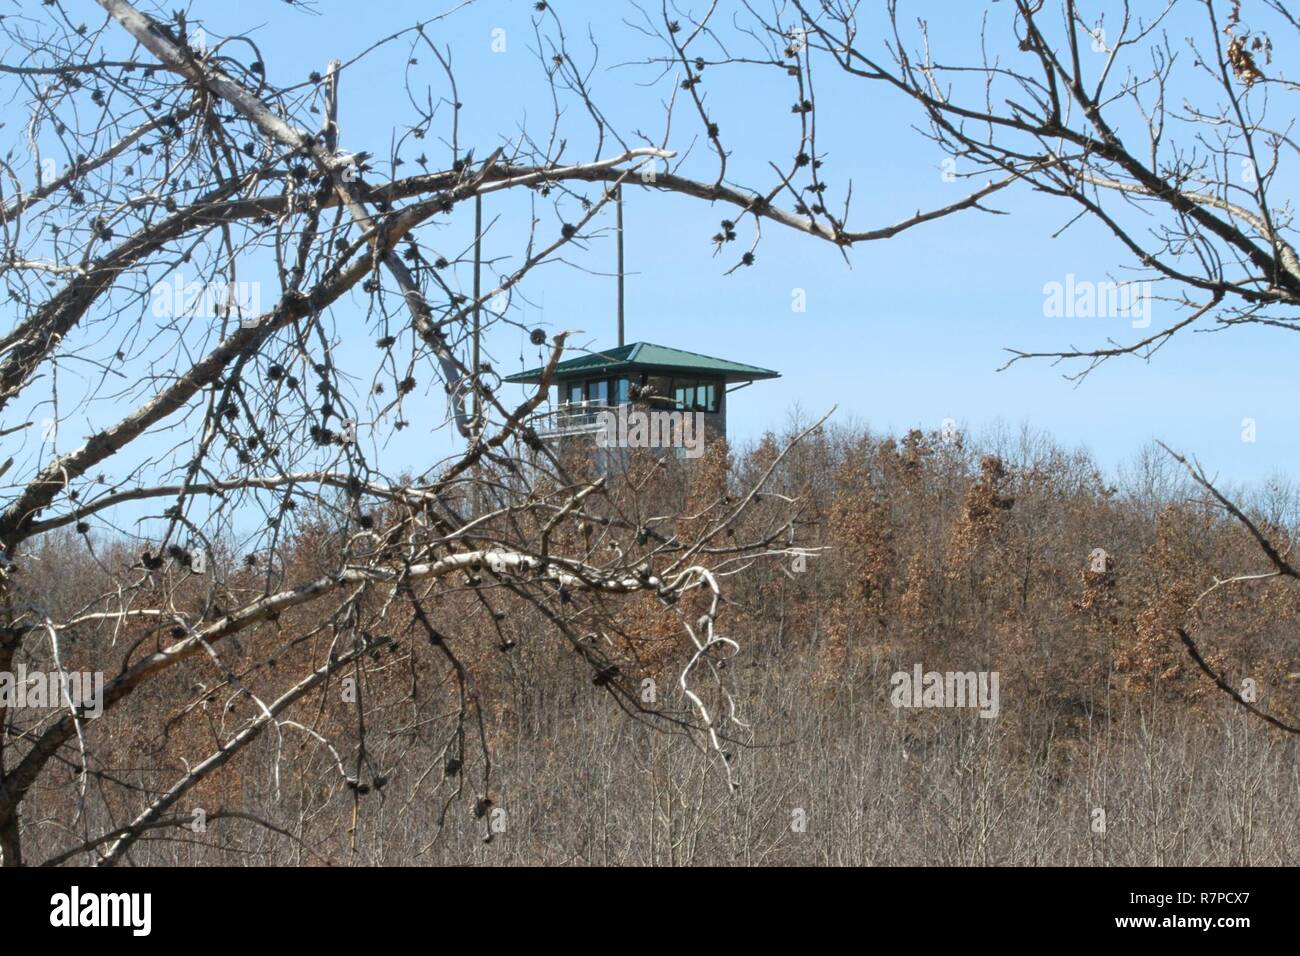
(696, 395)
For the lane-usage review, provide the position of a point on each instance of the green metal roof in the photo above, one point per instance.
(643, 356)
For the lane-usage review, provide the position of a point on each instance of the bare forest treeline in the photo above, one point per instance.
(944, 551)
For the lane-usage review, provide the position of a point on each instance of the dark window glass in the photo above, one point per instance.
(694, 395)
(598, 391)
(620, 391)
(575, 392)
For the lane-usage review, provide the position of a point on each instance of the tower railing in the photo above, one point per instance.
(571, 418)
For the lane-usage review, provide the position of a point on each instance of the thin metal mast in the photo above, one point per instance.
(618, 202)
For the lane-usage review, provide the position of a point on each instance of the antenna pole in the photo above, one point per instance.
(478, 262)
(618, 203)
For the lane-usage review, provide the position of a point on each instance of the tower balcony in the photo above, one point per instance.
(570, 418)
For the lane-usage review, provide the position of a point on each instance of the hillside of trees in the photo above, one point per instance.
(566, 740)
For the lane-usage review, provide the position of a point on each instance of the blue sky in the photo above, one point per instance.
(907, 333)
